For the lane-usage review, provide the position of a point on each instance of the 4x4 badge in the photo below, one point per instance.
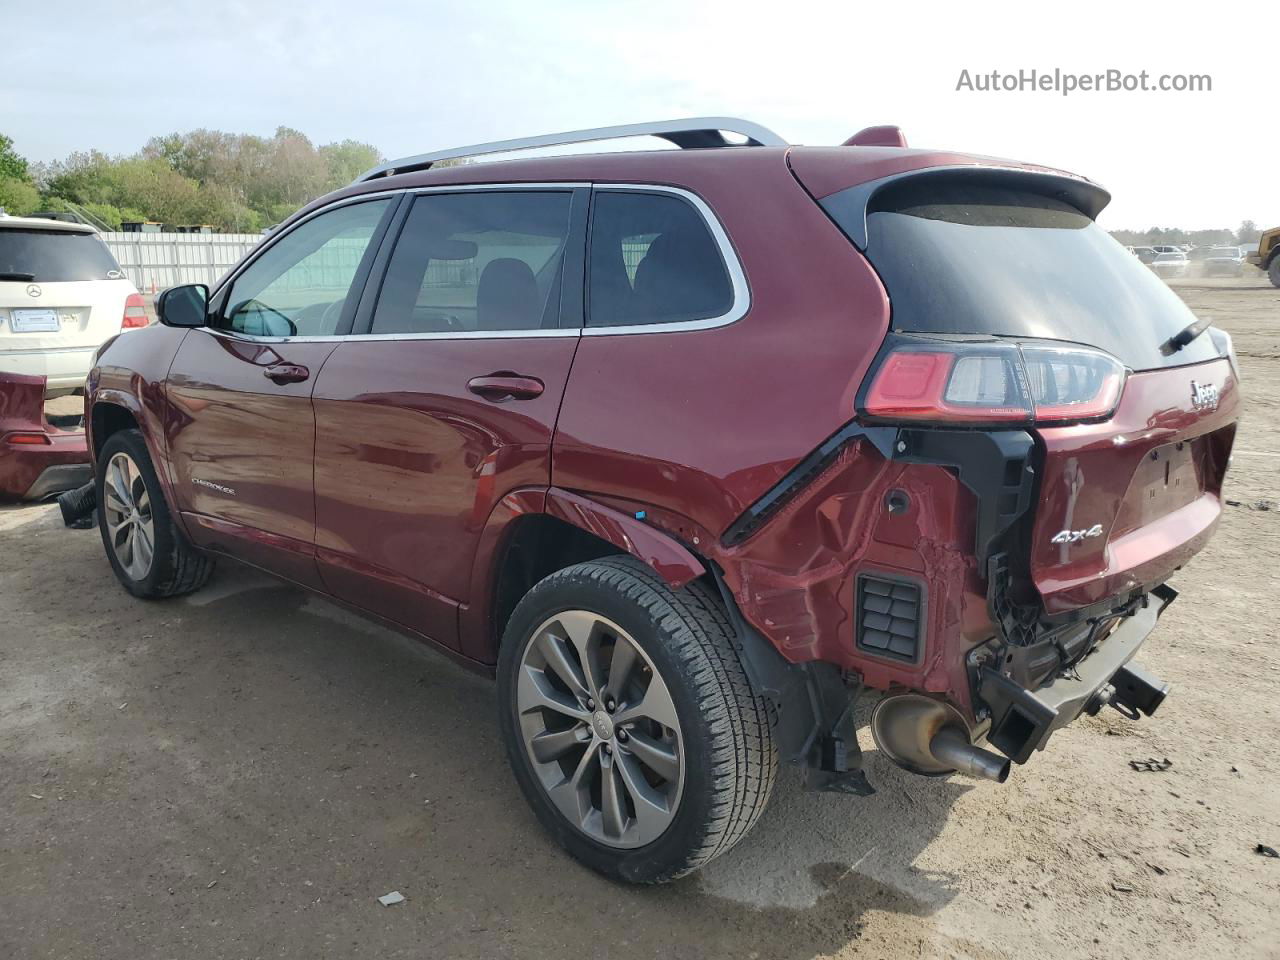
(1204, 396)
(1074, 536)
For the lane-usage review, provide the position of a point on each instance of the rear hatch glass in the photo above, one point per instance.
(975, 258)
(54, 256)
(1122, 503)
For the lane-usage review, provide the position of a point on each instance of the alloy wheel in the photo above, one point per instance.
(127, 511)
(600, 729)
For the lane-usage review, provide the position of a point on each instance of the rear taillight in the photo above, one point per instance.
(973, 382)
(135, 312)
(28, 439)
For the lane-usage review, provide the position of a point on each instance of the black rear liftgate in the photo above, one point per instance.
(1039, 673)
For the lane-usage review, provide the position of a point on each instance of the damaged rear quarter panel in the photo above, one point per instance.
(795, 579)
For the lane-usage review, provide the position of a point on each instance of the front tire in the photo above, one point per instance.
(1273, 271)
(149, 554)
(629, 721)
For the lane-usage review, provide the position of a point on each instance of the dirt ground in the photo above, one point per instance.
(241, 773)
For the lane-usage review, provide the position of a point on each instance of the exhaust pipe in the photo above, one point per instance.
(952, 747)
(930, 737)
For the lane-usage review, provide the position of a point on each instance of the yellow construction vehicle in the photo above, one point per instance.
(1267, 256)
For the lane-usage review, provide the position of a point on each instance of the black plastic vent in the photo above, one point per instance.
(890, 616)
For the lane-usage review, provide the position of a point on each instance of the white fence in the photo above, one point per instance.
(154, 261)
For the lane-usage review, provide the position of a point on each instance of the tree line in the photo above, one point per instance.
(234, 182)
(1246, 235)
(241, 183)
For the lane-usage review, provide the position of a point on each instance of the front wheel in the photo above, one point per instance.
(629, 720)
(150, 556)
(1273, 271)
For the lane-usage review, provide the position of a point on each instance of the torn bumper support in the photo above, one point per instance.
(1023, 720)
(37, 459)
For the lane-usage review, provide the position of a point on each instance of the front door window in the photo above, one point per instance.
(300, 286)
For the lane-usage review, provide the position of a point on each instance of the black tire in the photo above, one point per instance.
(176, 567)
(1273, 271)
(729, 756)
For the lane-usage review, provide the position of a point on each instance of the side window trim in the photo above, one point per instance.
(573, 268)
(573, 279)
(737, 277)
(363, 316)
(218, 300)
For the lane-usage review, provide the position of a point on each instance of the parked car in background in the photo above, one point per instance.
(1145, 254)
(61, 295)
(1167, 248)
(1224, 262)
(1170, 264)
(685, 448)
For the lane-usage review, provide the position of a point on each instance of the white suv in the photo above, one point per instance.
(61, 295)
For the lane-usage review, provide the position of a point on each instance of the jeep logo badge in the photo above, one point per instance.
(603, 725)
(33, 290)
(1204, 396)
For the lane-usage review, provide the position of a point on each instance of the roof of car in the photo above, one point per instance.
(823, 170)
(44, 223)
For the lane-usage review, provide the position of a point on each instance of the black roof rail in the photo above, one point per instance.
(690, 133)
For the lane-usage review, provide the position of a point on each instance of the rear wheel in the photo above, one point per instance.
(1273, 271)
(629, 721)
(147, 551)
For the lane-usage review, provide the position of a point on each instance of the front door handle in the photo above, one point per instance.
(283, 373)
(505, 386)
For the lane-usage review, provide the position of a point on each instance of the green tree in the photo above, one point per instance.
(12, 166)
(347, 160)
(1248, 232)
(18, 197)
(237, 182)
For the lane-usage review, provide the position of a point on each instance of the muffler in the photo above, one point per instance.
(930, 738)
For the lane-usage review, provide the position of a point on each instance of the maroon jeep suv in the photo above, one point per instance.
(690, 447)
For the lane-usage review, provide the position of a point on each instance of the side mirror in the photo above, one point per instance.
(185, 306)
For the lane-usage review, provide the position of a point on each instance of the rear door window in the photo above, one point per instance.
(477, 261)
(653, 260)
(55, 256)
(968, 258)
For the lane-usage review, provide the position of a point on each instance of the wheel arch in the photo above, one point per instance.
(531, 534)
(115, 410)
(110, 415)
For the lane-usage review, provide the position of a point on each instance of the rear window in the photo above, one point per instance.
(653, 260)
(53, 256)
(960, 258)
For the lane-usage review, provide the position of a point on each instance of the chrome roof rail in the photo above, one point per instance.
(691, 133)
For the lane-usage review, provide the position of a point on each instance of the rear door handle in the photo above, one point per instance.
(505, 386)
(283, 373)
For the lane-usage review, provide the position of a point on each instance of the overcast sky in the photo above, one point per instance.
(414, 76)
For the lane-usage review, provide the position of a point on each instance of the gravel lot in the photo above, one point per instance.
(241, 773)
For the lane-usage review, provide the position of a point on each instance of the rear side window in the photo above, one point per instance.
(969, 258)
(653, 260)
(485, 260)
(54, 256)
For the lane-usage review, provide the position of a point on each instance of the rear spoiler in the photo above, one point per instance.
(849, 207)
